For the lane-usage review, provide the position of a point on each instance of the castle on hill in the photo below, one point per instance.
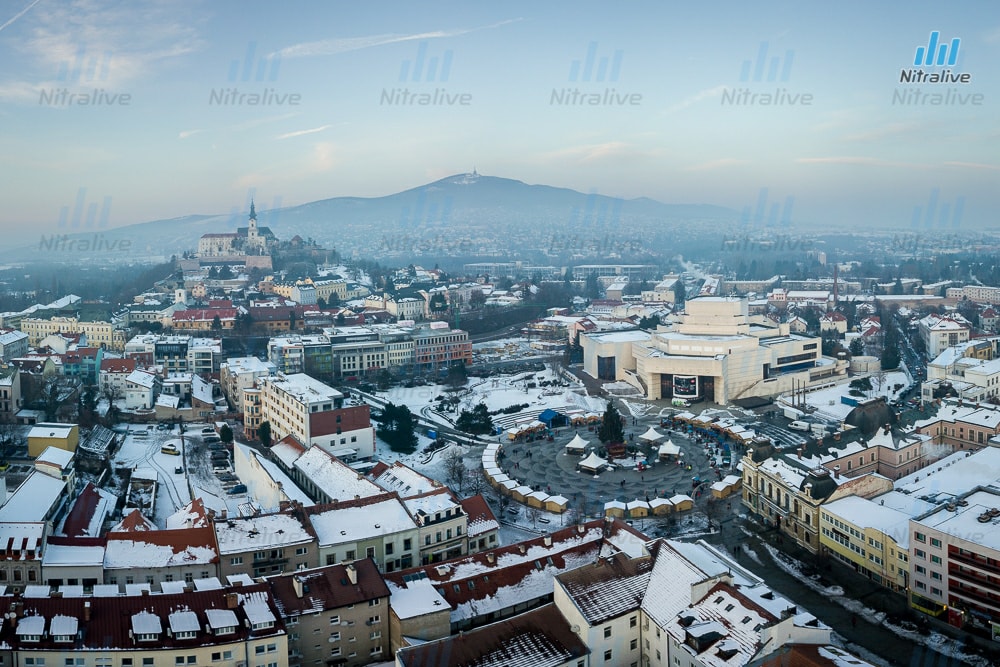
(245, 241)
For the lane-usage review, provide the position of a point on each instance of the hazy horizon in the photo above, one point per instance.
(192, 107)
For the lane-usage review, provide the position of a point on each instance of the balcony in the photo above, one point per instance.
(973, 577)
(978, 562)
(991, 602)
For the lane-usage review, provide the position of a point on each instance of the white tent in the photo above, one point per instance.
(593, 463)
(577, 444)
(651, 435)
(669, 449)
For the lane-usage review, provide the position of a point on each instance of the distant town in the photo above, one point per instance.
(786, 452)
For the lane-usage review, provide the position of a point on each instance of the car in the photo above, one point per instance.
(179, 470)
(171, 449)
(513, 511)
(543, 519)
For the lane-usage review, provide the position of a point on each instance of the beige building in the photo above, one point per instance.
(336, 615)
(99, 334)
(717, 353)
(231, 627)
(266, 544)
(60, 436)
(240, 373)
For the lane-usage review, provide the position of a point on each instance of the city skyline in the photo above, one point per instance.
(189, 109)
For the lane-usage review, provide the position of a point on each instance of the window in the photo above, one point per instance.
(607, 656)
(372, 620)
(936, 575)
(919, 537)
(633, 621)
(236, 560)
(427, 540)
(607, 632)
(334, 636)
(377, 634)
(407, 544)
(147, 662)
(349, 556)
(301, 551)
(376, 649)
(370, 552)
(935, 542)
(634, 644)
(335, 619)
(936, 560)
(388, 548)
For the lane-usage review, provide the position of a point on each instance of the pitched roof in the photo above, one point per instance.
(608, 588)
(327, 587)
(481, 517)
(539, 638)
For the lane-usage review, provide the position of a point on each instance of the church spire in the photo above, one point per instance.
(253, 213)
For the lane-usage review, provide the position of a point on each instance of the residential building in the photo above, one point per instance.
(61, 436)
(336, 614)
(314, 414)
(178, 353)
(112, 374)
(141, 390)
(293, 353)
(21, 557)
(941, 332)
(377, 527)
(961, 426)
(13, 343)
(10, 393)
(227, 627)
(266, 544)
(239, 373)
(788, 492)
(438, 346)
(135, 554)
(101, 334)
(869, 537)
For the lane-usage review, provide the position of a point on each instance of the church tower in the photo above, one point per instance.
(253, 240)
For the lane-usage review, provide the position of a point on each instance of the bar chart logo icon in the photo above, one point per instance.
(84, 215)
(426, 69)
(596, 69)
(765, 68)
(937, 53)
(253, 68)
(937, 214)
(764, 215)
(84, 68)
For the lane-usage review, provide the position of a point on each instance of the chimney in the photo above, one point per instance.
(581, 529)
(86, 611)
(800, 452)
(547, 540)
(232, 600)
(491, 558)
(352, 574)
(836, 471)
(297, 586)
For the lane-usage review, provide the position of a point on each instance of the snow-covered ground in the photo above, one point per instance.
(828, 398)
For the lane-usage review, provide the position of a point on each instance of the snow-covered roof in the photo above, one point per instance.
(183, 621)
(354, 522)
(33, 499)
(334, 478)
(870, 513)
(55, 456)
(72, 555)
(405, 481)
(145, 623)
(63, 626)
(33, 625)
(141, 378)
(417, 598)
(267, 531)
(221, 618)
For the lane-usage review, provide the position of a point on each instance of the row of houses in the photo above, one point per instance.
(914, 512)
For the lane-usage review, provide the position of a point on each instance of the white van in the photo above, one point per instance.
(679, 403)
(798, 425)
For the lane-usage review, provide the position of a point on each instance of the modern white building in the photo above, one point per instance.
(718, 353)
(941, 332)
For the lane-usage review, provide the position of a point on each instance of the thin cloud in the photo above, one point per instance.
(330, 47)
(19, 14)
(974, 165)
(594, 152)
(300, 133)
(717, 164)
(696, 98)
(184, 134)
(858, 160)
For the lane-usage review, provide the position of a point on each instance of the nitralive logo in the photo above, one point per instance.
(940, 56)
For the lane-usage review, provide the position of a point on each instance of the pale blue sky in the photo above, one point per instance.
(850, 157)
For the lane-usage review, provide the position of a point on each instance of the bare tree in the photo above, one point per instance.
(455, 471)
(477, 480)
(533, 514)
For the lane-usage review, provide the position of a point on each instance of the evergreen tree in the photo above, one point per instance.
(397, 429)
(476, 421)
(264, 434)
(611, 429)
(857, 347)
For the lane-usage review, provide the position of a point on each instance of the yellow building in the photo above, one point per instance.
(60, 436)
(868, 536)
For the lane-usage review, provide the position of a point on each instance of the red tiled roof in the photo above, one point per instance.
(135, 522)
(199, 314)
(110, 624)
(327, 587)
(478, 511)
(541, 637)
(117, 365)
(79, 517)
